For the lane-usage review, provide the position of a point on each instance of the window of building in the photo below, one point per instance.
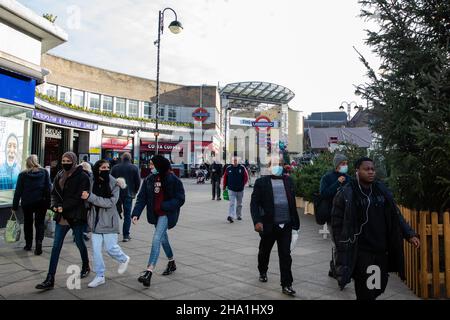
(64, 94)
(107, 104)
(120, 106)
(78, 98)
(162, 112)
(147, 110)
(94, 101)
(133, 108)
(51, 90)
(172, 114)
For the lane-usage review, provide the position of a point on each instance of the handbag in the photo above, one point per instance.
(225, 195)
(13, 230)
(322, 208)
(50, 225)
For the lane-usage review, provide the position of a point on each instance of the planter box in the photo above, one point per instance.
(300, 202)
(309, 208)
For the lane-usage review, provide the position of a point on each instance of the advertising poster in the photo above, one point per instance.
(11, 144)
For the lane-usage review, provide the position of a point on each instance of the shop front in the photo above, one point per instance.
(114, 147)
(165, 148)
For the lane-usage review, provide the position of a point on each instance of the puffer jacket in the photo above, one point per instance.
(344, 224)
(106, 220)
(174, 198)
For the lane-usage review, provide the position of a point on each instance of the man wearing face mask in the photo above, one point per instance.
(329, 186)
(274, 215)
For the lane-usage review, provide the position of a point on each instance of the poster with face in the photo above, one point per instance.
(11, 143)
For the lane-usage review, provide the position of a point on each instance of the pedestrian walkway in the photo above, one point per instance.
(215, 260)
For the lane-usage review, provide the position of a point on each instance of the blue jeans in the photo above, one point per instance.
(60, 234)
(160, 238)
(127, 202)
(109, 240)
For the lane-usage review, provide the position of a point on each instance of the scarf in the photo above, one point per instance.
(66, 174)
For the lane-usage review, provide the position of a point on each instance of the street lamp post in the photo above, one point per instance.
(349, 107)
(176, 27)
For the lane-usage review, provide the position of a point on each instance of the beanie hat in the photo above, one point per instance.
(161, 164)
(338, 158)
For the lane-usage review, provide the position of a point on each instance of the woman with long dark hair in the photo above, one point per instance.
(163, 195)
(104, 220)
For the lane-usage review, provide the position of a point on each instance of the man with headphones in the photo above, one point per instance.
(368, 232)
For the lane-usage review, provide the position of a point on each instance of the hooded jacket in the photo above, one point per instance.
(69, 197)
(33, 188)
(106, 220)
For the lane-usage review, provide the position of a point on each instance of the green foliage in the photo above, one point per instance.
(110, 114)
(50, 17)
(411, 99)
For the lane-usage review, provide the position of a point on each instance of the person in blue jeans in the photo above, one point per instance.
(71, 213)
(130, 173)
(163, 195)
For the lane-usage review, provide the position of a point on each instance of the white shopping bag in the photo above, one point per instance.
(294, 238)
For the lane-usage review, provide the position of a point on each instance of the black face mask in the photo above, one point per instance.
(104, 174)
(67, 166)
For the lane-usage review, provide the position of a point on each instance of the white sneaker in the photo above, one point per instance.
(96, 282)
(123, 266)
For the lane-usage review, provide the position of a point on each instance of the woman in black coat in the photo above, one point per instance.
(71, 213)
(33, 192)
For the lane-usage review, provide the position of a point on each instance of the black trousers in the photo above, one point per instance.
(364, 289)
(215, 188)
(34, 213)
(282, 236)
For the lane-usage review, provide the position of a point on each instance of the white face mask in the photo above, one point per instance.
(343, 169)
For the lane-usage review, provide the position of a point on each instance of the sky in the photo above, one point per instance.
(306, 46)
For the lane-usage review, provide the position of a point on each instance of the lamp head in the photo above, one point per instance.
(175, 27)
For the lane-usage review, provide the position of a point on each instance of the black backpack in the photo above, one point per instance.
(322, 208)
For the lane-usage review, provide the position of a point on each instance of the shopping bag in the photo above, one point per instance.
(225, 195)
(50, 225)
(294, 239)
(13, 230)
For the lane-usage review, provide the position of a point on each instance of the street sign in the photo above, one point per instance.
(264, 123)
(201, 114)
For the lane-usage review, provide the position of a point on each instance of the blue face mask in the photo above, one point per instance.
(155, 171)
(277, 170)
(343, 169)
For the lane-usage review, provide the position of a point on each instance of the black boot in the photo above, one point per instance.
(145, 278)
(171, 267)
(85, 270)
(27, 247)
(38, 249)
(288, 291)
(48, 283)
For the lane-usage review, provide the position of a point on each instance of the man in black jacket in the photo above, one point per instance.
(216, 176)
(367, 228)
(130, 173)
(274, 215)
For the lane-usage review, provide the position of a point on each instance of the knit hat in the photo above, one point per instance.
(338, 158)
(161, 164)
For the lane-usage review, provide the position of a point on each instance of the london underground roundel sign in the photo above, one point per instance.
(263, 123)
(200, 114)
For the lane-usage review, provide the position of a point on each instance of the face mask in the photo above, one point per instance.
(104, 174)
(343, 169)
(155, 171)
(67, 166)
(277, 170)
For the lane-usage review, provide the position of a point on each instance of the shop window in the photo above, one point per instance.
(172, 114)
(133, 108)
(107, 104)
(51, 90)
(94, 101)
(78, 98)
(162, 112)
(120, 106)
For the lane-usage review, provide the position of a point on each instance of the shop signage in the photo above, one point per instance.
(263, 122)
(53, 133)
(117, 144)
(95, 150)
(162, 146)
(43, 116)
(201, 114)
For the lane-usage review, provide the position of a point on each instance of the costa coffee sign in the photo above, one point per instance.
(201, 114)
(162, 146)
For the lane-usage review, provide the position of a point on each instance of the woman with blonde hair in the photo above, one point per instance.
(33, 191)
